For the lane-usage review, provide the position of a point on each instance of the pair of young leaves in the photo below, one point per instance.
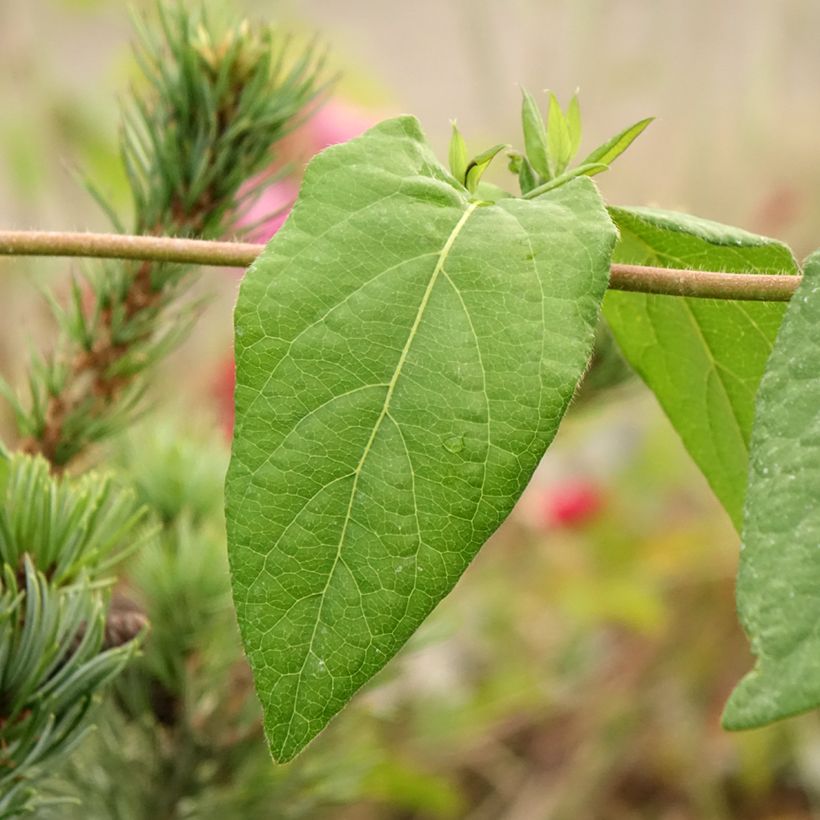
(405, 352)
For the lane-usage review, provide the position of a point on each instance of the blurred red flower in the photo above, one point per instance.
(573, 503)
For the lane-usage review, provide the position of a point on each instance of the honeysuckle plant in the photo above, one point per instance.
(406, 346)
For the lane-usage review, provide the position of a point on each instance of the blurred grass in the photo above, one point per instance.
(577, 671)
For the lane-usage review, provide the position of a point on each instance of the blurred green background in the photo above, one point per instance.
(581, 665)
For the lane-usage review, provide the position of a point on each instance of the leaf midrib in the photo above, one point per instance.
(437, 270)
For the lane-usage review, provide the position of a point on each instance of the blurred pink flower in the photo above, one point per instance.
(333, 123)
(336, 122)
(269, 212)
(572, 504)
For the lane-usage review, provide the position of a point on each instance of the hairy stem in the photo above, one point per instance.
(634, 278)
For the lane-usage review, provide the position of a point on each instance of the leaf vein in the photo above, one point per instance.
(445, 251)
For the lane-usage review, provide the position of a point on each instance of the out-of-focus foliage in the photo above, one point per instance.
(59, 541)
(582, 669)
(195, 139)
(580, 673)
(216, 103)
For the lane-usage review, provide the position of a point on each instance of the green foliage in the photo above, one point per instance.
(469, 173)
(176, 471)
(458, 155)
(779, 566)
(547, 674)
(64, 527)
(702, 358)
(613, 148)
(391, 411)
(535, 135)
(182, 733)
(181, 577)
(478, 165)
(607, 369)
(216, 102)
(551, 146)
(51, 668)
(585, 170)
(407, 347)
(559, 144)
(196, 137)
(181, 717)
(58, 540)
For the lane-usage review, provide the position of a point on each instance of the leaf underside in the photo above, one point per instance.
(779, 578)
(404, 357)
(703, 358)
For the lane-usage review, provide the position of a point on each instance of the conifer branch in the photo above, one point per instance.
(218, 103)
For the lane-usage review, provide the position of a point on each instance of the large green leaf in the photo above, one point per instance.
(778, 589)
(404, 356)
(703, 358)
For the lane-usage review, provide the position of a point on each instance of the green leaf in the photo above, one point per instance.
(613, 148)
(404, 356)
(520, 166)
(703, 358)
(526, 176)
(588, 170)
(779, 578)
(458, 155)
(574, 125)
(559, 143)
(535, 134)
(478, 165)
(489, 193)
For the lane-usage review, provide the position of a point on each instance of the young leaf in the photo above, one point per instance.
(779, 573)
(478, 165)
(404, 356)
(535, 134)
(458, 155)
(559, 144)
(587, 170)
(526, 177)
(521, 167)
(703, 358)
(613, 148)
(574, 125)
